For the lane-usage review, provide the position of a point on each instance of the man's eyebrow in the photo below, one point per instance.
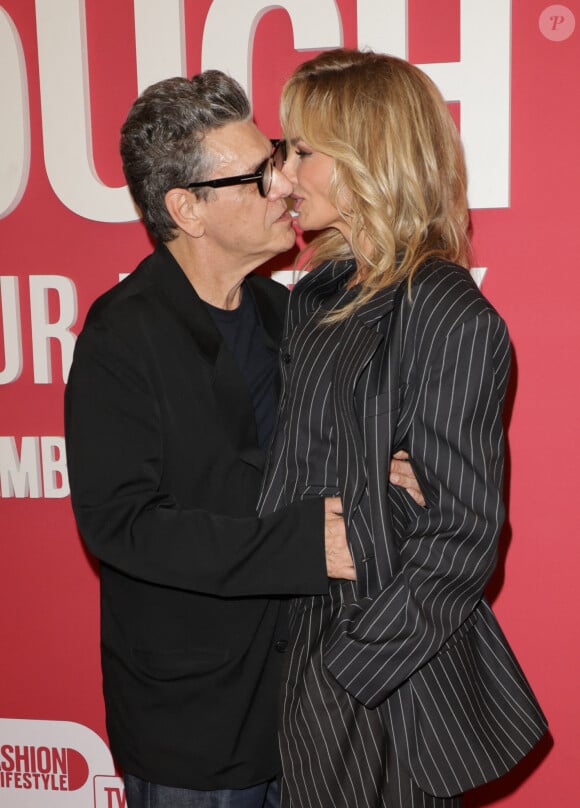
(257, 166)
(259, 163)
(251, 170)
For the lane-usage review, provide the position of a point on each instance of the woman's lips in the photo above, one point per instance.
(296, 202)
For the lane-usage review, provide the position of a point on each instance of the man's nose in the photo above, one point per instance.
(281, 185)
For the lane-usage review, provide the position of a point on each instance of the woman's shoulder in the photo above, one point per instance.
(443, 297)
(444, 285)
(437, 273)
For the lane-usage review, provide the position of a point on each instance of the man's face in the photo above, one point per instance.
(242, 227)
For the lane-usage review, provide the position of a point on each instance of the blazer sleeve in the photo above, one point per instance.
(447, 551)
(115, 462)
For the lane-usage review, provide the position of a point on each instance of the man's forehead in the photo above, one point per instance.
(239, 142)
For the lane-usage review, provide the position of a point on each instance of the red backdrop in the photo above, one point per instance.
(69, 69)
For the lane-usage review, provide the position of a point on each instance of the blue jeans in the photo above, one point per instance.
(141, 794)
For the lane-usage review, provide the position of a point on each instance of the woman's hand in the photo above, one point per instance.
(401, 474)
(339, 563)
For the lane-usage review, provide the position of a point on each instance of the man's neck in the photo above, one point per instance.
(214, 283)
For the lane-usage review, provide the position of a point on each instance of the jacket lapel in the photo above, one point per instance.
(360, 337)
(270, 312)
(233, 405)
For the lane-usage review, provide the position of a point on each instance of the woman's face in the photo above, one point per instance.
(310, 172)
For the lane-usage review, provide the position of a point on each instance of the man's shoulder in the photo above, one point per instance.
(117, 302)
(133, 284)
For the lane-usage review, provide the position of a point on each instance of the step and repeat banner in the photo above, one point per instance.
(69, 70)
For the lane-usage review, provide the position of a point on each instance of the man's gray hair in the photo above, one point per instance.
(162, 139)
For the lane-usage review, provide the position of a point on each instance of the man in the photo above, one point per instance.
(170, 406)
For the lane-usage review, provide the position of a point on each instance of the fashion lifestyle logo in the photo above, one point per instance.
(42, 768)
(56, 764)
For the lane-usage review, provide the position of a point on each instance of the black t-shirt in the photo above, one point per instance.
(246, 341)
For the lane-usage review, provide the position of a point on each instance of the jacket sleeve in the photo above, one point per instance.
(447, 551)
(128, 519)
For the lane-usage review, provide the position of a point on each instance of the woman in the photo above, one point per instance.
(400, 687)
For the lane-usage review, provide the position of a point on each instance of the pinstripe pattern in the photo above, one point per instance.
(402, 685)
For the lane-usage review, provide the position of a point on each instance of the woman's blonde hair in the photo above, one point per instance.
(399, 179)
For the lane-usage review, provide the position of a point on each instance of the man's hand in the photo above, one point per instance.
(401, 473)
(339, 562)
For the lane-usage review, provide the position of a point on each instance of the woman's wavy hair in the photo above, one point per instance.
(399, 179)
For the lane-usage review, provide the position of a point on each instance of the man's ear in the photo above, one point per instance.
(185, 209)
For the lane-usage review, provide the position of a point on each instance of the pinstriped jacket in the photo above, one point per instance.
(427, 374)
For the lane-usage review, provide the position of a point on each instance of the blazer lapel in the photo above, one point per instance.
(233, 404)
(270, 314)
(360, 337)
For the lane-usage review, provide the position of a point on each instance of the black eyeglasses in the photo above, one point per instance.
(262, 176)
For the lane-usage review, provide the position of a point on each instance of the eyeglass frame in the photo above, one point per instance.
(257, 176)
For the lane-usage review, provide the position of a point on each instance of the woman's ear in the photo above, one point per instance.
(184, 208)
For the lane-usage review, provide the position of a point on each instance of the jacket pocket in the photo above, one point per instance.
(178, 664)
(382, 404)
(467, 716)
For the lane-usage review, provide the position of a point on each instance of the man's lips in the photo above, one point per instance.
(285, 216)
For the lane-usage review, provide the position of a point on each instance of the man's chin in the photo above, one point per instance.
(289, 239)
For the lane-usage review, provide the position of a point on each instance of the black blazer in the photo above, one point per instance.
(165, 471)
(421, 643)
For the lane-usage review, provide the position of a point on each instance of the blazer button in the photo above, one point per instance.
(286, 358)
(281, 646)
